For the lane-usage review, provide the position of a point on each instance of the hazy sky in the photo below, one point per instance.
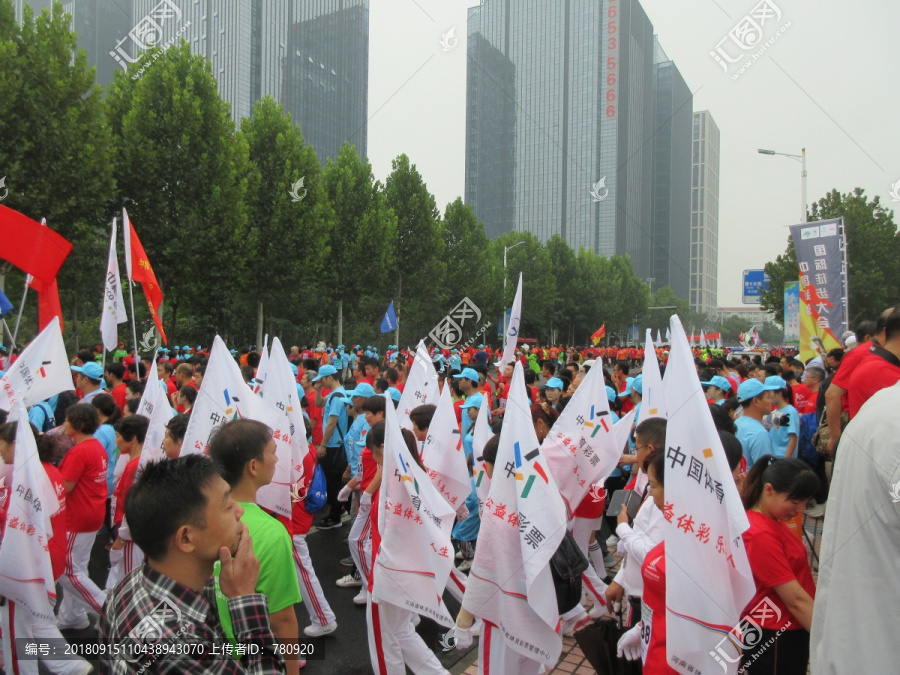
(830, 83)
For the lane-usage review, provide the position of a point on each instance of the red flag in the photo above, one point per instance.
(599, 334)
(142, 272)
(37, 250)
(48, 302)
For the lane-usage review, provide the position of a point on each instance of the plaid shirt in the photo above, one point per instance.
(148, 608)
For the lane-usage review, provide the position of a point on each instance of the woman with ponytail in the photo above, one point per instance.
(775, 491)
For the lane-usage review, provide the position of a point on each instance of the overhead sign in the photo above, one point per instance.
(755, 282)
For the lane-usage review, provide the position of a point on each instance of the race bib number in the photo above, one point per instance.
(646, 630)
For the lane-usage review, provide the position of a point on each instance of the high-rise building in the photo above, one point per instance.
(671, 225)
(312, 57)
(558, 118)
(705, 214)
(96, 22)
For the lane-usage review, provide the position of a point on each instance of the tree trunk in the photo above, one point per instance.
(259, 323)
(340, 339)
(397, 308)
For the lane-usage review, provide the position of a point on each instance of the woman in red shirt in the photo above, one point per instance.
(84, 471)
(647, 639)
(775, 491)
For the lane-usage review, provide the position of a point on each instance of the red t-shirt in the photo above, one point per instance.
(851, 361)
(85, 465)
(170, 388)
(653, 610)
(776, 557)
(301, 519)
(118, 393)
(122, 488)
(58, 543)
(870, 377)
(802, 396)
(315, 418)
(457, 408)
(627, 403)
(591, 508)
(369, 467)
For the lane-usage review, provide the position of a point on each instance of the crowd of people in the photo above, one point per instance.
(185, 536)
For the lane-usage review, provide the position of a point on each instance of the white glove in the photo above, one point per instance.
(462, 514)
(345, 493)
(463, 637)
(630, 644)
(365, 498)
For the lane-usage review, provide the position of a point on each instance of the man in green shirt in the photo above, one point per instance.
(244, 453)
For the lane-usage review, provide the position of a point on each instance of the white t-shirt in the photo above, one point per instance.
(861, 546)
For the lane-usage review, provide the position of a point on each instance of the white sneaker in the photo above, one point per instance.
(318, 630)
(464, 566)
(362, 597)
(349, 582)
(575, 623)
(459, 555)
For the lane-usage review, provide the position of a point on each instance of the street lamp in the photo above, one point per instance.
(802, 159)
(505, 249)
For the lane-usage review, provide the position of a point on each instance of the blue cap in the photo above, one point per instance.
(91, 370)
(325, 371)
(362, 389)
(474, 401)
(774, 383)
(162, 350)
(233, 351)
(750, 389)
(610, 393)
(393, 393)
(294, 369)
(718, 381)
(633, 384)
(555, 383)
(469, 374)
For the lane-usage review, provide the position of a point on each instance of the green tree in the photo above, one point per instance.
(539, 296)
(283, 220)
(569, 286)
(421, 264)
(362, 255)
(55, 148)
(658, 319)
(471, 266)
(873, 256)
(183, 175)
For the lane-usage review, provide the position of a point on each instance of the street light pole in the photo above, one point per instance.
(505, 249)
(802, 159)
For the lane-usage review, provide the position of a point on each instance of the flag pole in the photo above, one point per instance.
(137, 358)
(12, 338)
(15, 332)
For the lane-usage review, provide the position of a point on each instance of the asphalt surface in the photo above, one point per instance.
(344, 652)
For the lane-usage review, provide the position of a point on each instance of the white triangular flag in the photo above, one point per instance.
(41, 371)
(702, 339)
(668, 337)
(421, 386)
(653, 400)
(26, 574)
(280, 390)
(262, 368)
(223, 397)
(512, 331)
(523, 523)
(443, 454)
(113, 304)
(709, 582)
(481, 435)
(156, 407)
(581, 447)
(416, 554)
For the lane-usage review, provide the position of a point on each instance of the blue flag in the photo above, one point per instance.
(388, 323)
(6, 306)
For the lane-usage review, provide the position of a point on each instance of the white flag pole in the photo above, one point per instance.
(15, 332)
